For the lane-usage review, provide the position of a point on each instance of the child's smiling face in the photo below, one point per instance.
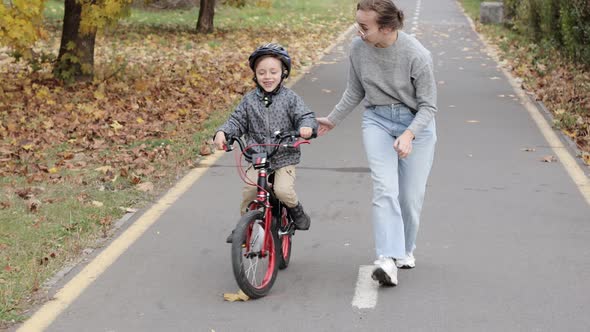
(268, 73)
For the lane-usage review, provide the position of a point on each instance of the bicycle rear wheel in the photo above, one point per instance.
(285, 240)
(255, 273)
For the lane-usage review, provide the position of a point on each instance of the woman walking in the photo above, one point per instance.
(393, 73)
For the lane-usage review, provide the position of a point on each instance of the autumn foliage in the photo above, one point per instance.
(20, 24)
(151, 85)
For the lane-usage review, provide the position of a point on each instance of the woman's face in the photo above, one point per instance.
(367, 27)
(268, 73)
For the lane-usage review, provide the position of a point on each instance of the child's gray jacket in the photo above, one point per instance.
(257, 123)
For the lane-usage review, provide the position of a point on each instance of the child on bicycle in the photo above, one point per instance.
(268, 108)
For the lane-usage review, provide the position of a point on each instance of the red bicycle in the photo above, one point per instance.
(262, 239)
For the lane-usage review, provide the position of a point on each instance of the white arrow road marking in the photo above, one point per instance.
(365, 294)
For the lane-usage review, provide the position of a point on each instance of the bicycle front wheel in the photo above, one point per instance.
(255, 269)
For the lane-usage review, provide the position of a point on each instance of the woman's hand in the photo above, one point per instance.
(305, 132)
(325, 126)
(403, 144)
(220, 140)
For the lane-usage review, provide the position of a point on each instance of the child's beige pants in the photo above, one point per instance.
(284, 187)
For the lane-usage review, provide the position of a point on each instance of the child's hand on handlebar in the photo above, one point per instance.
(305, 132)
(220, 141)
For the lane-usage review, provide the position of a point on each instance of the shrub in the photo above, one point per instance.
(575, 29)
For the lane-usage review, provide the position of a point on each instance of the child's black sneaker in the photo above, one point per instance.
(300, 218)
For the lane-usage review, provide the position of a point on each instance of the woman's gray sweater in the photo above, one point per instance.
(401, 73)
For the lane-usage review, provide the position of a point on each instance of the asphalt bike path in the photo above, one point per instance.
(503, 246)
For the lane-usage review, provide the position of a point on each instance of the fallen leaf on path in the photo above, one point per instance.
(128, 210)
(25, 193)
(528, 149)
(239, 296)
(116, 125)
(548, 159)
(205, 150)
(145, 187)
(108, 220)
(82, 197)
(104, 169)
(135, 179)
(33, 205)
(39, 220)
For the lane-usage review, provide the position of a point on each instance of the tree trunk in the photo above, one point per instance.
(206, 13)
(76, 52)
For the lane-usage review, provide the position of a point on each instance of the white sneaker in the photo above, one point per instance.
(385, 271)
(408, 262)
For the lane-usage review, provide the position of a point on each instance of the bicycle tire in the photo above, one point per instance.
(285, 241)
(244, 256)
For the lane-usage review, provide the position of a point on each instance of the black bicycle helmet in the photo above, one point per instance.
(275, 50)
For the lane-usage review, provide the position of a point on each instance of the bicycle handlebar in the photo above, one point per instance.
(279, 137)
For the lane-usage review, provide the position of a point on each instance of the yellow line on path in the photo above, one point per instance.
(64, 297)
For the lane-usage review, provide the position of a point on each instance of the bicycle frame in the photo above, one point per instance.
(263, 200)
(271, 250)
(261, 162)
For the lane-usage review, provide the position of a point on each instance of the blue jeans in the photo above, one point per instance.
(398, 184)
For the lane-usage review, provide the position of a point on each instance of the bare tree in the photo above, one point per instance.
(206, 13)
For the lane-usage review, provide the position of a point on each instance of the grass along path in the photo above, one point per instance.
(75, 158)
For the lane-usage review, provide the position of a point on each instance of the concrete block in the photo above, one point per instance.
(491, 12)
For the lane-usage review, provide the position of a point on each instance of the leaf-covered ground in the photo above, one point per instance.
(151, 85)
(75, 158)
